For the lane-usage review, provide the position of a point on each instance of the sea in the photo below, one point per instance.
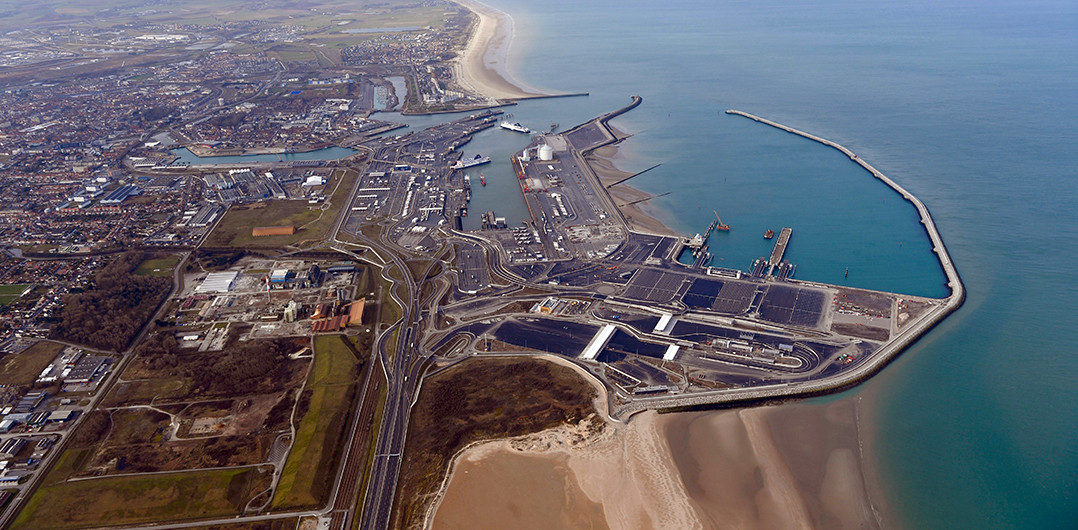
(971, 106)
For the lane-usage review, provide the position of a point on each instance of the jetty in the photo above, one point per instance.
(779, 250)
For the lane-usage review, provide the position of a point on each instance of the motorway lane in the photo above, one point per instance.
(403, 376)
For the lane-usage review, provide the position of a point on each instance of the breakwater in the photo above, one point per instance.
(872, 364)
(953, 281)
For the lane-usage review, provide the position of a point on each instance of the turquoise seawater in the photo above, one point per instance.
(971, 106)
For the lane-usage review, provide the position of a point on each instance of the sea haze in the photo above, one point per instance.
(969, 105)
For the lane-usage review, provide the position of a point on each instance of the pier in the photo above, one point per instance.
(779, 250)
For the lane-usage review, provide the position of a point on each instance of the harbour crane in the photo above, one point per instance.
(720, 225)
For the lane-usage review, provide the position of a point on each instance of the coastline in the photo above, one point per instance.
(790, 466)
(640, 217)
(481, 67)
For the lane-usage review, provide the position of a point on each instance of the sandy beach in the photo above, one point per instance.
(481, 67)
(787, 466)
(640, 216)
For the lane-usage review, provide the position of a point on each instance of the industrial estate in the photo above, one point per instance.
(224, 308)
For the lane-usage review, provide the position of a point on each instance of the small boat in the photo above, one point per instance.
(482, 179)
(769, 234)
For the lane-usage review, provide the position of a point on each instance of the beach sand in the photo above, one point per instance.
(786, 466)
(481, 66)
(622, 471)
(639, 216)
(492, 487)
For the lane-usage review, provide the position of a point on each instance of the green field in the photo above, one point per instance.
(11, 293)
(310, 15)
(158, 266)
(234, 230)
(23, 368)
(330, 391)
(141, 499)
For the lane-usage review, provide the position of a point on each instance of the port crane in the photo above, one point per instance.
(720, 225)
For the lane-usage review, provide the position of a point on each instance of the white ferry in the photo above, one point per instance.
(465, 164)
(515, 127)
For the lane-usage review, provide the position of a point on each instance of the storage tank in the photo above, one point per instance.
(546, 152)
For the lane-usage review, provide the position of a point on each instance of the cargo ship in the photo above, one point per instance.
(465, 164)
(769, 234)
(515, 127)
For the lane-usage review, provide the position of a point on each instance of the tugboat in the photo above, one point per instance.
(769, 234)
(482, 179)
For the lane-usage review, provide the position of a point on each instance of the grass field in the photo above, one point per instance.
(158, 266)
(331, 385)
(134, 392)
(235, 228)
(273, 524)
(310, 15)
(10, 293)
(23, 368)
(140, 499)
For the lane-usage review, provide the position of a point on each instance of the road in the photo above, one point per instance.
(103, 389)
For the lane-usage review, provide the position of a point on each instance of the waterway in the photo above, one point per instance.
(970, 106)
(328, 153)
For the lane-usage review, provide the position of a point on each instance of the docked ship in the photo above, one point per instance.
(769, 234)
(515, 127)
(465, 164)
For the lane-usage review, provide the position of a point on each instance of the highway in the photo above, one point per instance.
(402, 360)
(403, 370)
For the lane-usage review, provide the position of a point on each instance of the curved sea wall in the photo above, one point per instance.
(875, 362)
